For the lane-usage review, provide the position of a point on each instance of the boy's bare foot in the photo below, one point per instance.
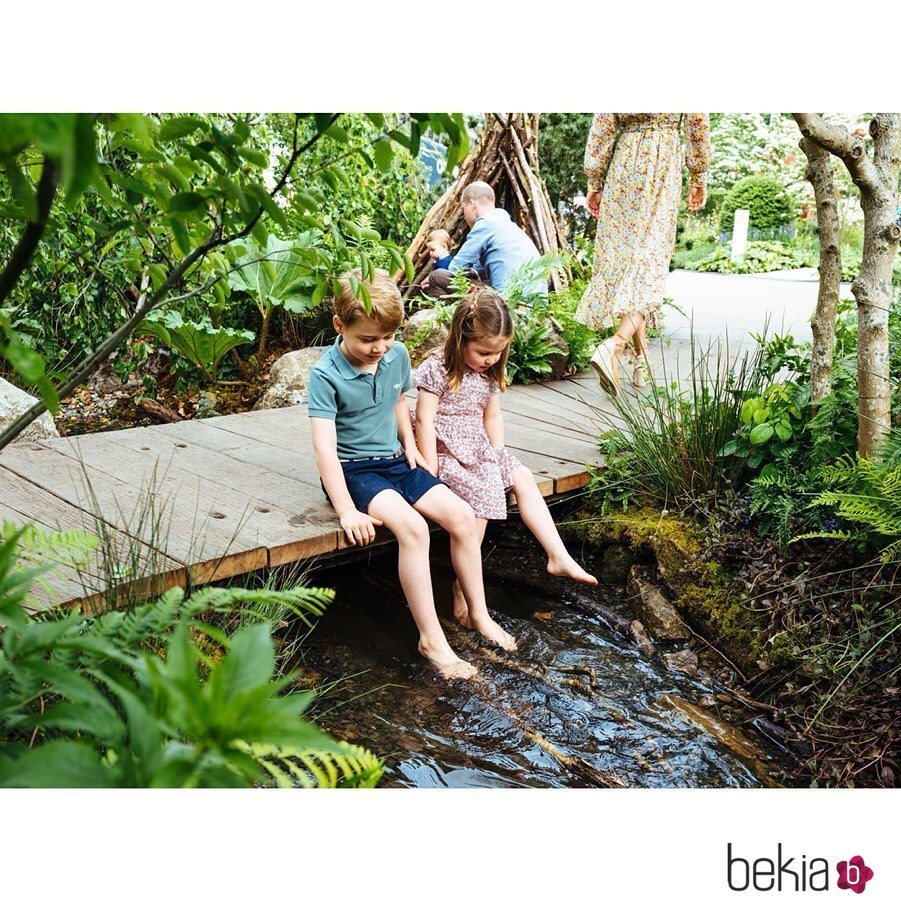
(461, 608)
(489, 629)
(566, 566)
(447, 662)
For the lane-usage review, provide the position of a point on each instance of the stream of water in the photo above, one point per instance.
(576, 705)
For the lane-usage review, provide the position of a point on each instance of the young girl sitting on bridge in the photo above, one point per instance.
(460, 431)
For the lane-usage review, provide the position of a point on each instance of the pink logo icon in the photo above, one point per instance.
(853, 874)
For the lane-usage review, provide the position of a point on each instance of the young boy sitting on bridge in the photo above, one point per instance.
(372, 472)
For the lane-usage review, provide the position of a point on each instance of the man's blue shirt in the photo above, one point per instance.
(497, 246)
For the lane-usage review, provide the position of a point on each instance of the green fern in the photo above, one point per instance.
(161, 695)
(868, 494)
(520, 285)
(349, 767)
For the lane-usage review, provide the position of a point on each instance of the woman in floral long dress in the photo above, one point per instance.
(634, 166)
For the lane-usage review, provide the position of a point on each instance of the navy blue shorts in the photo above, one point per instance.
(366, 478)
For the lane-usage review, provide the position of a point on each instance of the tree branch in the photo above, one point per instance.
(31, 236)
(840, 142)
(93, 361)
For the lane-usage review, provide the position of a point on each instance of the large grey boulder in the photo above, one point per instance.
(13, 403)
(423, 332)
(289, 379)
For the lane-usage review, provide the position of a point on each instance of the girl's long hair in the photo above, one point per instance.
(481, 313)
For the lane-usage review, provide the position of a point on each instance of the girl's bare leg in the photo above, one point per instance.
(538, 519)
(412, 533)
(461, 608)
(455, 516)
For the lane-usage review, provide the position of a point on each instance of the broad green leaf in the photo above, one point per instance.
(59, 763)
(186, 202)
(337, 133)
(180, 127)
(761, 433)
(383, 153)
(280, 275)
(200, 342)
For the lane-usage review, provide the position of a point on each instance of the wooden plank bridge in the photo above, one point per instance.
(213, 498)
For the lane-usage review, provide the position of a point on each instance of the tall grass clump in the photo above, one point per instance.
(667, 446)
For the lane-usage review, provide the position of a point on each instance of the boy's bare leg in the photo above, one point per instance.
(412, 533)
(461, 608)
(537, 518)
(455, 516)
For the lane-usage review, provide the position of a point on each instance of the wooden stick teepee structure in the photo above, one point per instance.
(506, 157)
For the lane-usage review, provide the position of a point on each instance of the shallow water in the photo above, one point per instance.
(520, 723)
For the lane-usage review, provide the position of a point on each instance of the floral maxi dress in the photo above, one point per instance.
(639, 174)
(468, 463)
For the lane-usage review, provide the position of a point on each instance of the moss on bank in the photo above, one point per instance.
(704, 590)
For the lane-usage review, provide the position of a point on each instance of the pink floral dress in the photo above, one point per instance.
(468, 463)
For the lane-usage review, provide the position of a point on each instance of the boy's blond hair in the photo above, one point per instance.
(440, 235)
(387, 305)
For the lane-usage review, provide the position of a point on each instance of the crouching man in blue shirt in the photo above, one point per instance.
(495, 245)
(373, 473)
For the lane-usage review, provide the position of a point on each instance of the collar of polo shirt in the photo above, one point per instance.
(344, 365)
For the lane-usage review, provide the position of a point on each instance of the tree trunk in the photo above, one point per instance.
(877, 179)
(506, 157)
(819, 174)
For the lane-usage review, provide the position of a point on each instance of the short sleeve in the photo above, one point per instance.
(322, 399)
(407, 374)
(493, 388)
(430, 376)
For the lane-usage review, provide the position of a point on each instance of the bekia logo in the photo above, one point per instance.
(793, 874)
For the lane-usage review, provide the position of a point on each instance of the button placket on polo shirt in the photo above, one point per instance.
(378, 384)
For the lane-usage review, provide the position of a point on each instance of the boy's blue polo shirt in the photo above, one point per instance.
(362, 404)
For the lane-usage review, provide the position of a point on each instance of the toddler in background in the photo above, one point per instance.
(438, 245)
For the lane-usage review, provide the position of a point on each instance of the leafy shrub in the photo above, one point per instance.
(580, 339)
(200, 342)
(761, 256)
(769, 203)
(530, 350)
(158, 696)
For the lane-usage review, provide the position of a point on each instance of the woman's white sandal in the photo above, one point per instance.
(641, 371)
(602, 362)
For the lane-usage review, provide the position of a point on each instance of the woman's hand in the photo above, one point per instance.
(359, 527)
(697, 197)
(593, 203)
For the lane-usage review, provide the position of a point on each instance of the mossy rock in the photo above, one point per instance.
(703, 589)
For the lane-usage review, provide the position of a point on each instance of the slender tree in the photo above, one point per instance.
(822, 325)
(876, 176)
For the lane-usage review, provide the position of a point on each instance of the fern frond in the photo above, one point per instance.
(353, 767)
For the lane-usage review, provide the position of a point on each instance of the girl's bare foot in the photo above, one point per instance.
(461, 608)
(447, 662)
(566, 566)
(489, 629)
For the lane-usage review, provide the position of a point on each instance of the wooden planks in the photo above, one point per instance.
(241, 492)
